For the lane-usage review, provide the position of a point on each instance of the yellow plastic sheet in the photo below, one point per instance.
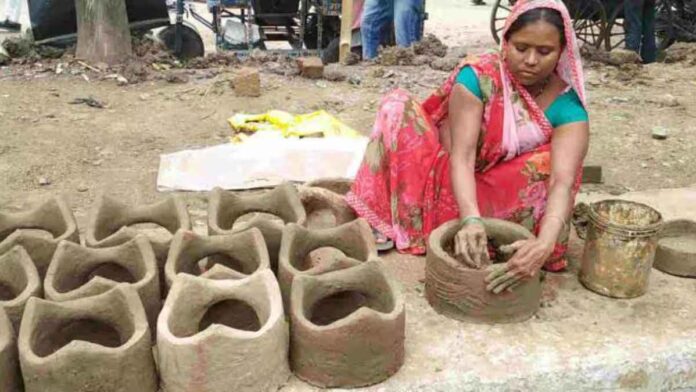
(317, 124)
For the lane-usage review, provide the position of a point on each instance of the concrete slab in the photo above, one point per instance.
(579, 341)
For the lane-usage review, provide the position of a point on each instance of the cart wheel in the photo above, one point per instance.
(191, 42)
(589, 21)
(501, 10)
(664, 24)
(615, 32)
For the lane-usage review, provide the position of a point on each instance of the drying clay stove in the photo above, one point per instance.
(223, 335)
(676, 249)
(226, 208)
(338, 248)
(79, 272)
(325, 208)
(10, 377)
(228, 256)
(19, 281)
(347, 327)
(110, 224)
(53, 217)
(460, 293)
(99, 343)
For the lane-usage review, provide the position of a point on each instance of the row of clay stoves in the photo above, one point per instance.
(224, 323)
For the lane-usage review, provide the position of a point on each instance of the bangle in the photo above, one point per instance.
(469, 219)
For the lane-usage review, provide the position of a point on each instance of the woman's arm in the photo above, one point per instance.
(568, 150)
(465, 114)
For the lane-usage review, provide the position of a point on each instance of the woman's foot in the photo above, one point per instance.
(382, 241)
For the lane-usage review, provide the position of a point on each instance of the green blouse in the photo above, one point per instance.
(566, 109)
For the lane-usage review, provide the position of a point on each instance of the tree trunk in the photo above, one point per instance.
(103, 34)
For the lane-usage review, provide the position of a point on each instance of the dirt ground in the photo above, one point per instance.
(50, 145)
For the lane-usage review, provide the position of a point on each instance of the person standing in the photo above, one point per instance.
(640, 28)
(379, 15)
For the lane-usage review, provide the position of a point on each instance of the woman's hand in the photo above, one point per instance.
(529, 256)
(471, 246)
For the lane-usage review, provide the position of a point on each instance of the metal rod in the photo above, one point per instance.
(178, 30)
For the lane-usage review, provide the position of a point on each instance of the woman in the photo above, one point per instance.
(504, 137)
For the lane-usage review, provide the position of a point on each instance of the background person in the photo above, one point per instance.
(640, 28)
(380, 15)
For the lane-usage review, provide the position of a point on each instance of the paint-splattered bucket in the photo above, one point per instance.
(620, 248)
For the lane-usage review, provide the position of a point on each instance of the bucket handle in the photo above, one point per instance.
(581, 219)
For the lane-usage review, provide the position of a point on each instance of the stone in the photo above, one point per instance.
(592, 174)
(324, 208)
(39, 230)
(43, 181)
(334, 73)
(79, 272)
(19, 281)
(110, 224)
(271, 211)
(247, 82)
(355, 80)
(226, 256)
(311, 67)
(676, 248)
(338, 185)
(315, 252)
(348, 327)
(98, 343)
(659, 133)
(10, 376)
(458, 292)
(223, 335)
(619, 57)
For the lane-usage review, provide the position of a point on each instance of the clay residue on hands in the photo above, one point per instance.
(497, 253)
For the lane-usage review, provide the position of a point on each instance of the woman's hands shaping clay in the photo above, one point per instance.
(471, 246)
(529, 256)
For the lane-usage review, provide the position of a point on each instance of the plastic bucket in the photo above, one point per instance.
(620, 248)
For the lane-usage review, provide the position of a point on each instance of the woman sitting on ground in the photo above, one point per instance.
(504, 137)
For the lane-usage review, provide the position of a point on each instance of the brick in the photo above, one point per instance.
(592, 174)
(311, 67)
(247, 83)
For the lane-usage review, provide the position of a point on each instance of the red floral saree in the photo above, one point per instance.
(403, 187)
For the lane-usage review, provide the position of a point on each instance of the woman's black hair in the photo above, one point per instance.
(548, 15)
